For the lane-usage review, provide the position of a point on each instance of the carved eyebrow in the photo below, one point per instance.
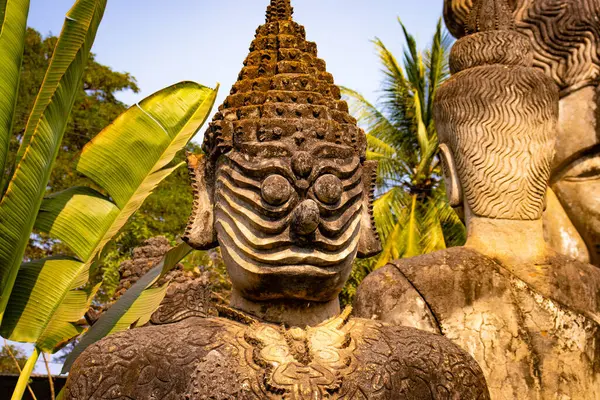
(574, 162)
(259, 167)
(342, 168)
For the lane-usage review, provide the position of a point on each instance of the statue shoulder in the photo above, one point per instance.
(404, 291)
(429, 365)
(387, 295)
(150, 361)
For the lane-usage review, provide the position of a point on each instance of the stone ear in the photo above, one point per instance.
(369, 244)
(200, 232)
(453, 186)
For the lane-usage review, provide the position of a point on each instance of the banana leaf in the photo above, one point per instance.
(13, 20)
(47, 303)
(41, 141)
(128, 159)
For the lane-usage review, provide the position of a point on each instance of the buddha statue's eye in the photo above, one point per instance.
(586, 169)
(328, 189)
(276, 190)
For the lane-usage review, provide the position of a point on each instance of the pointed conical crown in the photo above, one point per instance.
(283, 91)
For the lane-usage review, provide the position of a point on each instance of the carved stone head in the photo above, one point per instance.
(565, 39)
(284, 187)
(496, 120)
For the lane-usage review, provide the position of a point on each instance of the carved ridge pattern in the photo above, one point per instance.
(192, 166)
(488, 48)
(494, 118)
(199, 232)
(371, 200)
(565, 36)
(244, 217)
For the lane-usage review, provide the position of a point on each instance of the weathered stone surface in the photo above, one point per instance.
(564, 35)
(532, 328)
(144, 258)
(530, 317)
(576, 173)
(287, 193)
(221, 358)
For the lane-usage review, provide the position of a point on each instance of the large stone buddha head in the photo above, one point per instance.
(283, 186)
(564, 36)
(496, 120)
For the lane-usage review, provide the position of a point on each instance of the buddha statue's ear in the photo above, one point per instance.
(369, 243)
(453, 186)
(200, 232)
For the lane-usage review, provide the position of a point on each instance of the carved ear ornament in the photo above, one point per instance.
(369, 243)
(200, 232)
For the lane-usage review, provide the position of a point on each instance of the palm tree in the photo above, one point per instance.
(411, 209)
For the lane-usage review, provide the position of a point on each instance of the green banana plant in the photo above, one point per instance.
(128, 159)
(22, 190)
(13, 26)
(42, 302)
(26, 185)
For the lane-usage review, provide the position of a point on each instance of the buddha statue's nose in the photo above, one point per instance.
(306, 218)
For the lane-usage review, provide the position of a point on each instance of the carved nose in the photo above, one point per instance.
(306, 218)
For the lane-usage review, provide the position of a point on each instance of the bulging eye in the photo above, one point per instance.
(276, 190)
(328, 189)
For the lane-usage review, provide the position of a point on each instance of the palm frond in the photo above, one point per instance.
(396, 93)
(413, 64)
(436, 62)
(375, 122)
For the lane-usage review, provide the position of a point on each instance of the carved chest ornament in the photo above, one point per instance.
(281, 362)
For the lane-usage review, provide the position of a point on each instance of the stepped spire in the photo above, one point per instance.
(490, 15)
(283, 94)
(280, 10)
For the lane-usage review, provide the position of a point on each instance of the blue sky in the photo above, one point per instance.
(161, 42)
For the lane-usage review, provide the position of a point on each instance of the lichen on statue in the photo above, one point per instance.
(285, 190)
(565, 38)
(528, 315)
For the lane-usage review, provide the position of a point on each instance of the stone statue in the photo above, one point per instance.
(565, 35)
(286, 192)
(529, 316)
